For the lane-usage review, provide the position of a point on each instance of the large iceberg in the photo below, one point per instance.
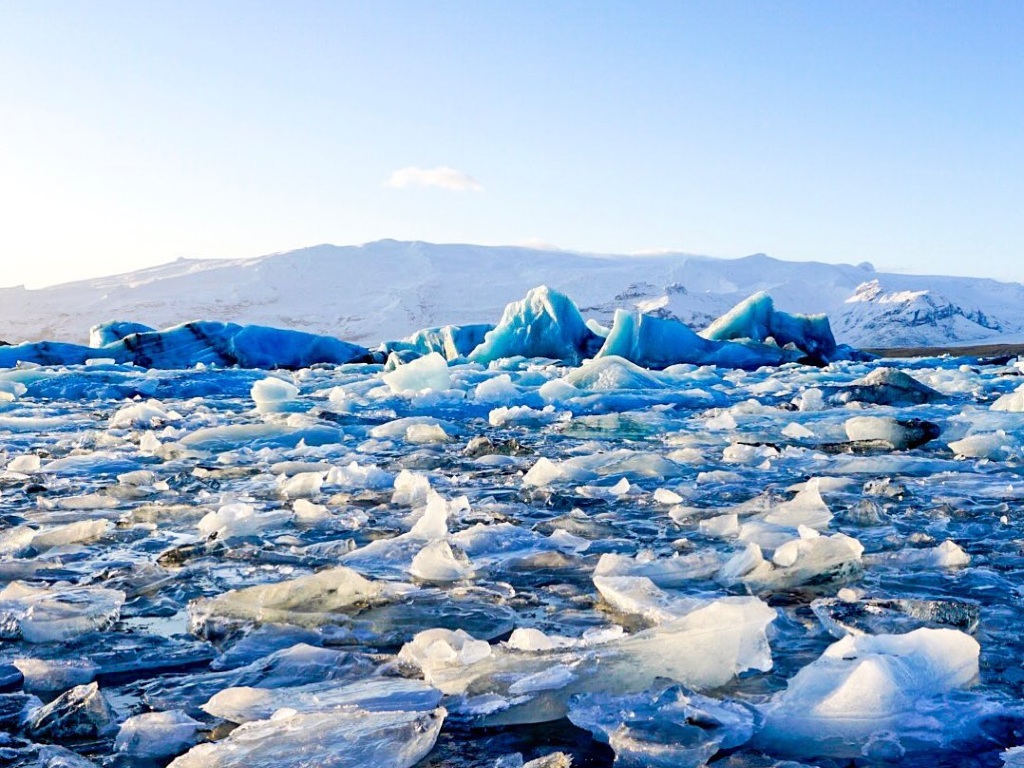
(544, 324)
(655, 342)
(757, 319)
(185, 345)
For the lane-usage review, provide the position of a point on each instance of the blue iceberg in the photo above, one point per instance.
(757, 319)
(102, 334)
(544, 324)
(450, 341)
(185, 345)
(654, 342)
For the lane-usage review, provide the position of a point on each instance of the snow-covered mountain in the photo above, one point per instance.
(388, 289)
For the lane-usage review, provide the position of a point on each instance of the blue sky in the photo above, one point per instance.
(134, 133)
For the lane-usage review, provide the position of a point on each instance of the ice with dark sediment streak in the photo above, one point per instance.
(348, 737)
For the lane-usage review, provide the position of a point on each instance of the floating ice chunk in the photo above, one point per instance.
(667, 496)
(25, 464)
(398, 429)
(545, 323)
(704, 648)
(995, 446)
(665, 572)
(1012, 402)
(522, 416)
(411, 489)
(612, 373)
(46, 615)
(301, 485)
(54, 675)
(326, 597)
(155, 735)
(888, 386)
(296, 665)
(865, 688)
(274, 395)
(438, 562)
(558, 390)
(898, 434)
(53, 756)
(497, 389)
(240, 519)
(1014, 756)
(423, 434)
(72, 533)
(308, 515)
(806, 508)
(584, 469)
(720, 526)
(810, 559)
(354, 475)
(375, 694)
(345, 738)
(796, 431)
(146, 415)
(671, 728)
(79, 714)
(427, 372)
(948, 554)
(639, 596)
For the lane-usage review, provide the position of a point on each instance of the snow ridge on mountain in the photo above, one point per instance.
(389, 289)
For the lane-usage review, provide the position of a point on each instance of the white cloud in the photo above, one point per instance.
(442, 177)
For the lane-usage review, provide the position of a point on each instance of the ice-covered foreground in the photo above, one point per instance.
(494, 562)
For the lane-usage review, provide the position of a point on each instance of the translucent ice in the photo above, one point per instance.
(344, 738)
(545, 323)
(866, 689)
(327, 597)
(669, 728)
(375, 694)
(898, 434)
(427, 372)
(154, 735)
(45, 615)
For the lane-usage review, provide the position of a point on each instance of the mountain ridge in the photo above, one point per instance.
(388, 289)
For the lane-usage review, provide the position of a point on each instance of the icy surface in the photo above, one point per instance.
(692, 563)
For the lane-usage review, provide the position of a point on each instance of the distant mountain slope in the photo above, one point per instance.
(388, 289)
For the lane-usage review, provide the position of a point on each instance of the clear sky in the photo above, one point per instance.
(134, 133)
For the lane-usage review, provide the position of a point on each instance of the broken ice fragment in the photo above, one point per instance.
(343, 738)
(154, 735)
(865, 686)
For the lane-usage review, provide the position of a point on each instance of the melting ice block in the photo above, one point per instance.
(898, 434)
(47, 615)
(866, 696)
(343, 738)
(545, 323)
(330, 596)
(499, 684)
(377, 694)
(154, 735)
(1012, 402)
(669, 728)
(427, 372)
